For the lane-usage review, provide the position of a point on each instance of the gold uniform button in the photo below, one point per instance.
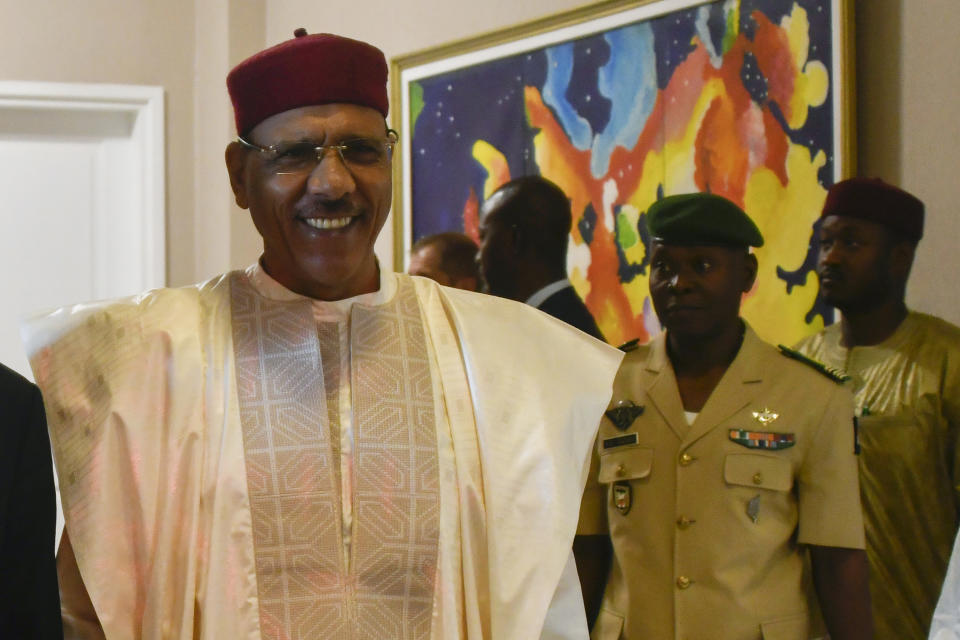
(758, 478)
(684, 522)
(686, 459)
(620, 470)
(683, 582)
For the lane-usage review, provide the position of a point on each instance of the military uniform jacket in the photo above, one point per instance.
(707, 519)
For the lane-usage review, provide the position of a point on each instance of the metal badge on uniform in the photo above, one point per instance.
(624, 413)
(765, 416)
(621, 441)
(622, 496)
(753, 508)
(762, 439)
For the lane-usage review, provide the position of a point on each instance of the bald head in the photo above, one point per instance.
(448, 258)
(524, 229)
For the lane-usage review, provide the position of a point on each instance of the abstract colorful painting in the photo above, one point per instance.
(742, 98)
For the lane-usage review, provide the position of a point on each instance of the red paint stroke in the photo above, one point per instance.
(471, 216)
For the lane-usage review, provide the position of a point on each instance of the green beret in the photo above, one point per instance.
(701, 218)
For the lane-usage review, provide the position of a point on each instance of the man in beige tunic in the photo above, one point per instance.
(314, 447)
(904, 370)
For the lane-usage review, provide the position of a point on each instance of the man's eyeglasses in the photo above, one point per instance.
(304, 156)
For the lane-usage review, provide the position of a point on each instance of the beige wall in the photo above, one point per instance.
(908, 88)
(117, 41)
(909, 131)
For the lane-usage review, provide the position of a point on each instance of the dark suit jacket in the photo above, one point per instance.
(29, 598)
(566, 305)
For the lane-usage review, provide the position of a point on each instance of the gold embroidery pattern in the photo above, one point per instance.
(397, 497)
(305, 590)
(294, 503)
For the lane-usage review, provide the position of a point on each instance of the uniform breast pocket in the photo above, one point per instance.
(758, 471)
(633, 463)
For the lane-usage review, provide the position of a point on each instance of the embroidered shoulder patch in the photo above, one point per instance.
(762, 439)
(837, 375)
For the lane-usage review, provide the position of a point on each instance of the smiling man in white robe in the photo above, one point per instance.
(314, 447)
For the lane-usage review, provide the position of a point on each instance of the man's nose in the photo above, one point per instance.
(331, 178)
(679, 281)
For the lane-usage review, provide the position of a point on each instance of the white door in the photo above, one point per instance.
(81, 198)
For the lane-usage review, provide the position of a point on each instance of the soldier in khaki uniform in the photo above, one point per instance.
(720, 461)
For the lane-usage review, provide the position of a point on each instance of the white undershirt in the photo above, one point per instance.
(540, 296)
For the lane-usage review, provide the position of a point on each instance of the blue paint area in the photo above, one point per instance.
(590, 55)
(715, 22)
(753, 80)
(485, 103)
(559, 73)
(630, 81)
(587, 224)
(673, 35)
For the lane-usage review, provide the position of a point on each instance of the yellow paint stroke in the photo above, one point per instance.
(813, 81)
(784, 214)
(494, 163)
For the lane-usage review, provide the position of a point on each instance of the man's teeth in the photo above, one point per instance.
(328, 223)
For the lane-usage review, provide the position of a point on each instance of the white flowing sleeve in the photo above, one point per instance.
(946, 617)
(566, 619)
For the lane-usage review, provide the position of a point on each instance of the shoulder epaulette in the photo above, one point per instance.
(630, 345)
(837, 375)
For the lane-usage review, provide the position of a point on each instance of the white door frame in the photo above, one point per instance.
(144, 105)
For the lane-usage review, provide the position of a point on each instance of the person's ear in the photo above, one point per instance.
(901, 260)
(236, 158)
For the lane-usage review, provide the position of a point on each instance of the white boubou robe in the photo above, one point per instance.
(230, 466)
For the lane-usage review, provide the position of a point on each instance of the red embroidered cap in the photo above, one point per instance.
(309, 69)
(874, 200)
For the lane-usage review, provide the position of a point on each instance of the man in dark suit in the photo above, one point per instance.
(29, 599)
(524, 230)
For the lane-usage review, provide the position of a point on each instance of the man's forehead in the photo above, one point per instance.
(839, 223)
(429, 253)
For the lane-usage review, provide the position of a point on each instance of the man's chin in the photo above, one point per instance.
(831, 297)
